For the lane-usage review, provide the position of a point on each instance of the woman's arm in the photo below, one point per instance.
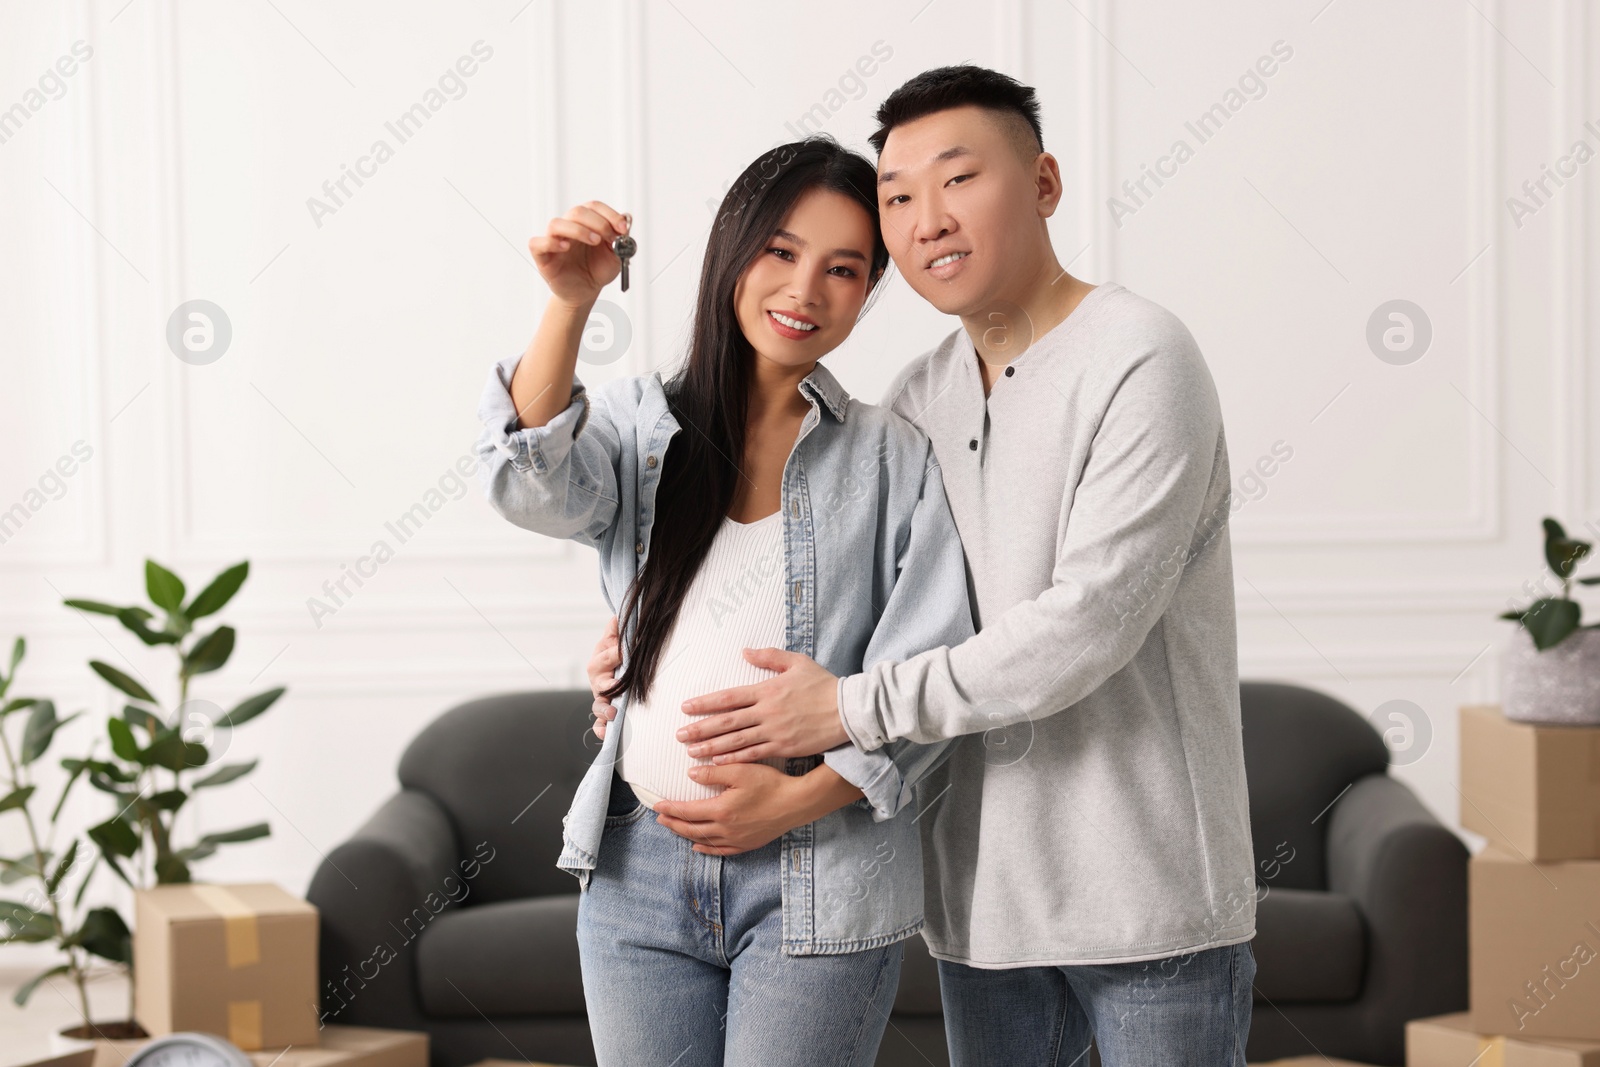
(535, 469)
(575, 259)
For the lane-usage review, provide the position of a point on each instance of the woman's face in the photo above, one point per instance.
(799, 299)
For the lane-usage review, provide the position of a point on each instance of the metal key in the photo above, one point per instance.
(624, 247)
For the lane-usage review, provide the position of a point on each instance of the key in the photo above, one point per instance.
(624, 247)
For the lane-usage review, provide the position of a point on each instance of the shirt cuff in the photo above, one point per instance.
(875, 774)
(535, 447)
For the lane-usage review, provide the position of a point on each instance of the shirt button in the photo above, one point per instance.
(650, 461)
(973, 444)
(638, 546)
(1009, 372)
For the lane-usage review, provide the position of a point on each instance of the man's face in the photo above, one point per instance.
(953, 184)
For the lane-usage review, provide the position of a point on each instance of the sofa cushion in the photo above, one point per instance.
(517, 957)
(1309, 946)
(919, 981)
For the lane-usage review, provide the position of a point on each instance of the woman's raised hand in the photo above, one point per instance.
(574, 255)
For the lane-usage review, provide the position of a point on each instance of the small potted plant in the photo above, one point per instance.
(1552, 667)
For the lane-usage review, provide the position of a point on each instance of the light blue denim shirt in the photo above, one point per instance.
(874, 571)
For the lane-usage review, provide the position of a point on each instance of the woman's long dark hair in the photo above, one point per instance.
(709, 396)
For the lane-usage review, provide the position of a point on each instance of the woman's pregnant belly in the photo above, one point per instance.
(734, 602)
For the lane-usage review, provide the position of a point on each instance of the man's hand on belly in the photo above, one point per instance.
(759, 804)
(793, 713)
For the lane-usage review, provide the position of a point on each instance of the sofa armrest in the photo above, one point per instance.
(376, 893)
(1408, 875)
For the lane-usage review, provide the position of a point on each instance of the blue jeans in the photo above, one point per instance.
(682, 960)
(1191, 1010)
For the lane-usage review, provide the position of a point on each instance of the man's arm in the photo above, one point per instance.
(1140, 512)
(1139, 515)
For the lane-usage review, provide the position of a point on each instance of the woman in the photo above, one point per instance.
(784, 513)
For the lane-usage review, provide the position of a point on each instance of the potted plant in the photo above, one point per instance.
(47, 910)
(157, 760)
(1552, 666)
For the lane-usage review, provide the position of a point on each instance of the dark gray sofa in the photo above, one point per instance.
(445, 912)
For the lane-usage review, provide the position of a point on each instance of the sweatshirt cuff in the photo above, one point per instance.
(855, 713)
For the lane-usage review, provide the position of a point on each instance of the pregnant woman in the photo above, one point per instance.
(745, 502)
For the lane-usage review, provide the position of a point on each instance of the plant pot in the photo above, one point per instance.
(123, 1036)
(1560, 685)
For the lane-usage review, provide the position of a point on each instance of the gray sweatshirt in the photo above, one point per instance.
(1094, 810)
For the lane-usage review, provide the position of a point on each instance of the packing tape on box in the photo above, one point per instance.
(239, 930)
(1491, 1052)
(244, 1024)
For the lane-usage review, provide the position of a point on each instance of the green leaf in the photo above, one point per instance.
(1550, 620)
(210, 653)
(17, 798)
(1589, 581)
(16, 705)
(224, 774)
(143, 718)
(111, 861)
(165, 588)
(77, 901)
(19, 648)
(24, 991)
(171, 751)
(24, 923)
(41, 729)
(93, 605)
(244, 833)
(41, 725)
(167, 799)
(18, 869)
(122, 682)
(54, 881)
(1561, 552)
(105, 934)
(251, 707)
(61, 801)
(115, 838)
(170, 869)
(137, 620)
(197, 852)
(123, 743)
(212, 598)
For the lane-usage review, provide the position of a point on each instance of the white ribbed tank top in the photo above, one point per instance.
(734, 602)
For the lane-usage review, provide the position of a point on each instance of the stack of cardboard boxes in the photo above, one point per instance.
(1533, 900)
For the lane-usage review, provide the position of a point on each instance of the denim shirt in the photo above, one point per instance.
(873, 571)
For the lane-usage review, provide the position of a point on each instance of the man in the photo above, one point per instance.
(1088, 853)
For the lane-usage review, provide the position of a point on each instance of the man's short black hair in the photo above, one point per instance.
(947, 87)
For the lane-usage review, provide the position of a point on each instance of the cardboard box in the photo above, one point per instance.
(239, 961)
(1532, 789)
(1450, 1041)
(341, 1046)
(1534, 946)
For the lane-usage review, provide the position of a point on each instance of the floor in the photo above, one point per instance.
(25, 1032)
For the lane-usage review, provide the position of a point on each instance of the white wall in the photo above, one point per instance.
(177, 164)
